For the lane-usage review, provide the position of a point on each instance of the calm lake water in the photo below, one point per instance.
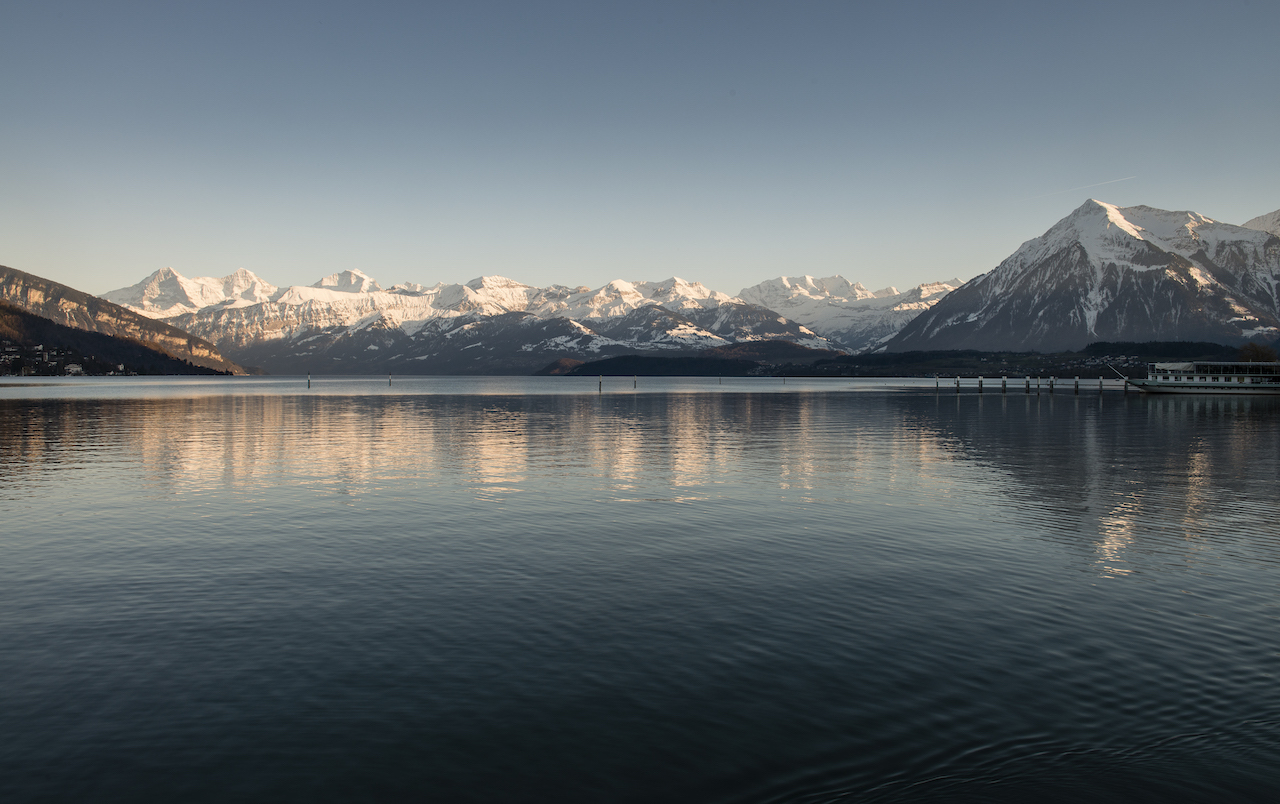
(521, 589)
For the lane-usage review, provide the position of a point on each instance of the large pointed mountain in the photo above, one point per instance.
(1114, 274)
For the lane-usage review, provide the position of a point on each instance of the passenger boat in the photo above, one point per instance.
(1210, 378)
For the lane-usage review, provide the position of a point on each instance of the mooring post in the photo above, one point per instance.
(979, 383)
(937, 384)
(635, 380)
(957, 383)
(600, 388)
(1077, 385)
(1028, 390)
(1004, 381)
(1099, 385)
(388, 380)
(308, 379)
(1051, 383)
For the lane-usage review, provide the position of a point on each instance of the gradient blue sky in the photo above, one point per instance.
(575, 143)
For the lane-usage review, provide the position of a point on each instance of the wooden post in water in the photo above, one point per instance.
(1099, 386)
(388, 380)
(1028, 391)
(601, 386)
(308, 379)
(979, 383)
(1004, 382)
(635, 380)
(1050, 383)
(957, 383)
(1077, 385)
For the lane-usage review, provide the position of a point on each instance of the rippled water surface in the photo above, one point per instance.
(687, 590)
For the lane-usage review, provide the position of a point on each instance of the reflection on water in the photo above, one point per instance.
(816, 595)
(1115, 467)
(497, 446)
(1125, 468)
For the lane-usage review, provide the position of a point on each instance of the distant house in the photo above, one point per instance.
(75, 368)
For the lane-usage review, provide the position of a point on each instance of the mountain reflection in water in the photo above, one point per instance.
(818, 595)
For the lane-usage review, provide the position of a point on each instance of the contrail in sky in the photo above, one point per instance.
(1073, 189)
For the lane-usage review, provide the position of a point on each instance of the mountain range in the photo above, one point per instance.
(1102, 273)
(348, 322)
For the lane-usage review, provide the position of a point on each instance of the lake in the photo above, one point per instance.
(678, 590)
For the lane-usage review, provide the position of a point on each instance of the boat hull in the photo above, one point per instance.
(1163, 387)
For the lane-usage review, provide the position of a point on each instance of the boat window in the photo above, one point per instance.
(1213, 379)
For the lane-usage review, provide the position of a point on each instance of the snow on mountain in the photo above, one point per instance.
(166, 293)
(1111, 273)
(1102, 272)
(351, 295)
(846, 312)
(786, 289)
(655, 316)
(352, 281)
(1265, 223)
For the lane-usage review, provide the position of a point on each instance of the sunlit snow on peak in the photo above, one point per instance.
(349, 281)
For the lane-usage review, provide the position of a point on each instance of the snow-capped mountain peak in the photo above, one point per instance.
(349, 281)
(1114, 273)
(167, 293)
(1269, 223)
(1130, 238)
(677, 293)
(842, 310)
(830, 288)
(247, 287)
(496, 283)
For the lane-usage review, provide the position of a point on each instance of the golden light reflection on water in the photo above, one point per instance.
(1187, 470)
(1117, 528)
(1107, 477)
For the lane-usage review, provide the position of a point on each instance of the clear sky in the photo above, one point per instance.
(576, 143)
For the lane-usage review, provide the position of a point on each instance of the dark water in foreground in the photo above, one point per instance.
(516, 591)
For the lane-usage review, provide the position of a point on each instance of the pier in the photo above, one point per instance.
(1028, 385)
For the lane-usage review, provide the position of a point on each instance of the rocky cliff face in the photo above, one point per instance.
(72, 308)
(1114, 274)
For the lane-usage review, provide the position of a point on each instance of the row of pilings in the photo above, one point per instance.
(1036, 385)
